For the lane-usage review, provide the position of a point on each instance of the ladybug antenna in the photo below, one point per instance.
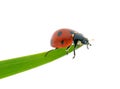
(89, 45)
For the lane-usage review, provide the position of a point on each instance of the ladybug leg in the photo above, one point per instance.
(75, 44)
(67, 49)
(74, 51)
(49, 52)
(89, 45)
(74, 54)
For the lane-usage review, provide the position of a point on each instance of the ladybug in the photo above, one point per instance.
(64, 38)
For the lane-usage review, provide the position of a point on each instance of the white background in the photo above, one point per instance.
(27, 25)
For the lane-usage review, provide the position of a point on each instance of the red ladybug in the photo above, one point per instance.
(63, 38)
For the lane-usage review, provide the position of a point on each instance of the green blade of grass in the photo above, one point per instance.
(16, 65)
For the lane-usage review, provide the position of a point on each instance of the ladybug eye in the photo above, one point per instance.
(85, 42)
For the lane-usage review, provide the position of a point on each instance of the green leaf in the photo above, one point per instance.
(16, 65)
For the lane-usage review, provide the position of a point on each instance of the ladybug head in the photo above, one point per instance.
(79, 38)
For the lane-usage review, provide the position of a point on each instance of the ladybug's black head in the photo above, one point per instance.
(84, 40)
(79, 38)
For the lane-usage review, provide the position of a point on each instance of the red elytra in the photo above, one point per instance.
(62, 38)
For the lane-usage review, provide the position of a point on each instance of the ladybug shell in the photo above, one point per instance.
(62, 38)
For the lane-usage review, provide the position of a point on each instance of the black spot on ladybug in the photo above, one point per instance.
(62, 42)
(59, 33)
(71, 32)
